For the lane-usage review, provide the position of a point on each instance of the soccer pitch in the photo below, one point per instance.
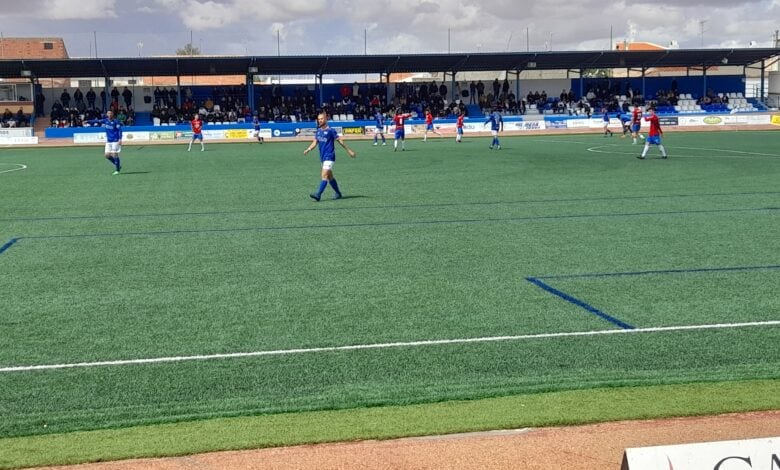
(208, 284)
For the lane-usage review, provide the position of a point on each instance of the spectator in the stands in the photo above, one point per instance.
(78, 97)
(90, 98)
(103, 99)
(114, 95)
(40, 100)
(65, 98)
(128, 96)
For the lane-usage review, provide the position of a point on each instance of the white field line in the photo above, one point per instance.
(638, 149)
(21, 167)
(409, 344)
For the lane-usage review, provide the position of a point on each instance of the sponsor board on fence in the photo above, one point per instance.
(19, 140)
(353, 131)
(730, 119)
(89, 137)
(555, 124)
(306, 131)
(128, 137)
(236, 133)
(524, 125)
(700, 120)
(578, 123)
(760, 119)
(16, 132)
(162, 135)
(668, 120)
(286, 133)
(748, 454)
(775, 119)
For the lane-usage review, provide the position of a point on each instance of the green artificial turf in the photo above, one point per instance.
(220, 252)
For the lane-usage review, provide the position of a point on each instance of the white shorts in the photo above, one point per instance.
(113, 147)
(327, 164)
(494, 132)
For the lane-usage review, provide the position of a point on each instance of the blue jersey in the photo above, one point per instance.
(256, 123)
(380, 121)
(606, 117)
(495, 121)
(112, 126)
(326, 140)
(623, 118)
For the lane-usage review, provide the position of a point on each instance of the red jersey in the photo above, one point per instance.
(636, 116)
(459, 124)
(428, 118)
(197, 125)
(399, 119)
(655, 126)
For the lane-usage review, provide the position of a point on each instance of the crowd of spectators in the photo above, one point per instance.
(360, 101)
(14, 119)
(73, 110)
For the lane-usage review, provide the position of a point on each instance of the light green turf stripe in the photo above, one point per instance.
(559, 408)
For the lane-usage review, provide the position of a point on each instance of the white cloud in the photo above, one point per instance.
(78, 9)
(398, 26)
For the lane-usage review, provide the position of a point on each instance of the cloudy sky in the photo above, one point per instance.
(127, 28)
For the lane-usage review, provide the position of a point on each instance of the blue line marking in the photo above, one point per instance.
(401, 206)
(579, 303)
(8, 245)
(664, 271)
(400, 223)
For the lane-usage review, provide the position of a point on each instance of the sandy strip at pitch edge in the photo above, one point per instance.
(590, 447)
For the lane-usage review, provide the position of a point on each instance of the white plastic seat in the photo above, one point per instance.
(350, 117)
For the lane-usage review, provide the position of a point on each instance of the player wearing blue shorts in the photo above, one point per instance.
(326, 137)
(605, 118)
(636, 124)
(256, 125)
(429, 125)
(379, 130)
(459, 126)
(496, 122)
(398, 121)
(197, 132)
(654, 136)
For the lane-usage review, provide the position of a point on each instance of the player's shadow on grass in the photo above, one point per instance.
(135, 172)
(352, 196)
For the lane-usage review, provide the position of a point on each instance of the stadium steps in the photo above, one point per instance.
(474, 111)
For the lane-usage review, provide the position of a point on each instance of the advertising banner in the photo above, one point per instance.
(18, 140)
(748, 454)
(668, 120)
(129, 137)
(555, 124)
(578, 123)
(354, 131)
(162, 135)
(524, 125)
(16, 132)
(235, 133)
(89, 137)
(776, 120)
(305, 132)
(286, 133)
